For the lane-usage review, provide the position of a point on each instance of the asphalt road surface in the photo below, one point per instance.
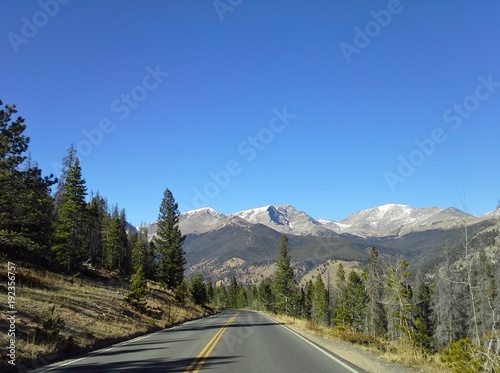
(232, 341)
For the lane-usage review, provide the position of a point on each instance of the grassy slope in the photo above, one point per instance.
(58, 315)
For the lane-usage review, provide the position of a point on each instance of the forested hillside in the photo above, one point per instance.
(56, 222)
(447, 317)
(75, 272)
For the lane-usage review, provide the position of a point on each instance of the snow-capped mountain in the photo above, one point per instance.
(245, 243)
(397, 220)
(493, 214)
(285, 219)
(381, 221)
(201, 220)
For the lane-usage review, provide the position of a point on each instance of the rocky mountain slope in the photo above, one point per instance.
(285, 219)
(398, 220)
(245, 243)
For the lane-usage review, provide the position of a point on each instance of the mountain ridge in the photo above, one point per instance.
(244, 243)
(380, 221)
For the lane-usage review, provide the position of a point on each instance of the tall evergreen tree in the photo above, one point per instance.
(67, 163)
(125, 266)
(113, 242)
(341, 317)
(305, 300)
(142, 255)
(241, 298)
(97, 213)
(25, 201)
(232, 293)
(210, 292)
(355, 301)
(351, 306)
(265, 295)
(71, 225)
(422, 316)
(284, 284)
(319, 309)
(168, 242)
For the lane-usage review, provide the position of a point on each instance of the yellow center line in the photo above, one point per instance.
(196, 365)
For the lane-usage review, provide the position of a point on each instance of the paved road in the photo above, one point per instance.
(232, 341)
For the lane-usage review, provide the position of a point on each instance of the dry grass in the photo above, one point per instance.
(57, 314)
(396, 352)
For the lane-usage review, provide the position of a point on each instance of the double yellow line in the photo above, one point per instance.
(197, 364)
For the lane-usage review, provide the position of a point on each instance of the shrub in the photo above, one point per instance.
(181, 292)
(138, 290)
(464, 357)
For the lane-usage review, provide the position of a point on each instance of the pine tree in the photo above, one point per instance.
(68, 162)
(252, 296)
(422, 316)
(70, 228)
(138, 289)
(37, 209)
(210, 292)
(319, 310)
(284, 284)
(242, 298)
(112, 241)
(25, 201)
(220, 296)
(181, 292)
(308, 299)
(355, 302)
(304, 304)
(125, 266)
(97, 213)
(265, 295)
(198, 289)
(341, 316)
(117, 251)
(168, 242)
(232, 293)
(139, 251)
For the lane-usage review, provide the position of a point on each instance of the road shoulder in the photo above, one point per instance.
(366, 360)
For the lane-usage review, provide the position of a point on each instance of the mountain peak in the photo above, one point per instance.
(203, 210)
(285, 219)
(392, 206)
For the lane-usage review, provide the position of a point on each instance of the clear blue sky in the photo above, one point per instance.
(331, 106)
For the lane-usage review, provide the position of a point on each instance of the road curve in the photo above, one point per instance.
(232, 341)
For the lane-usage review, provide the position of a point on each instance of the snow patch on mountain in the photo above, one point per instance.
(285, 219)
(493, 214)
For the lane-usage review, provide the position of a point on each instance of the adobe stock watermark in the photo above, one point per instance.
(223, 6)
(249, 149)
(121, 107)
(32, 25)
(363, 36)
(454, 117)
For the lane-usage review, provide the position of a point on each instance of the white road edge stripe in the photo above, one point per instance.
(316, 347)
(101, 351)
